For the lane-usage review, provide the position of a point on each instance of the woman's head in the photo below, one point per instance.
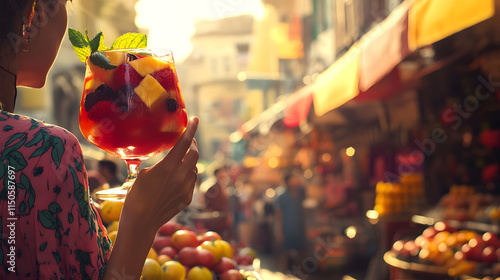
(11, 12)
(292, 179)
(31, 59)
(222, 176)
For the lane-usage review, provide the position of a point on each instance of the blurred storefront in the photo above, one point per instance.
(405, 114)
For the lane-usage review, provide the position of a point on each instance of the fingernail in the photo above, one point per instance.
(196, 120)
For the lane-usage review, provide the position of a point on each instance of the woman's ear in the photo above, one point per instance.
(44, 10)
(41, 16)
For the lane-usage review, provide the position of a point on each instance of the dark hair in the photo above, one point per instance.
(110, 165)
(219, 170)
(289, 173)
(288, 176)
(95, 180)
(11, 12)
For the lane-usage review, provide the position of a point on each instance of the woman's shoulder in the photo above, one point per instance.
(26, 141)
(19, 126)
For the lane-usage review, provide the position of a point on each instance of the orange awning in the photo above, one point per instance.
(433, 20)
(338, 84)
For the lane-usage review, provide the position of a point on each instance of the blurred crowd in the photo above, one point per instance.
(277, 220)
(272, 220)
(102, 175)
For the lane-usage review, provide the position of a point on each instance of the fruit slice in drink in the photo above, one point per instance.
(136, 110)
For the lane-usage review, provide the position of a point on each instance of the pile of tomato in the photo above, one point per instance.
(180, 253)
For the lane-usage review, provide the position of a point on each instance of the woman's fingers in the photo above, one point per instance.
(179, 150)
(188, 166)
(192, 155)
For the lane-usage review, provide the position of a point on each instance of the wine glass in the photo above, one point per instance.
(132, 111)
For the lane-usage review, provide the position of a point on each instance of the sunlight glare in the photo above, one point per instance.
(170, 24)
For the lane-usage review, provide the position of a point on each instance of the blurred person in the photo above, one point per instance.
(335, 198)
(97, 182)
(57, 231)
(217, 196)
(217, 199)
(289, 221)
(244, 228)
(109, 170)
(262, 218)
(237, 209)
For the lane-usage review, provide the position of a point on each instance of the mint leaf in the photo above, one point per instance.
(87, 35)
(102, 46)
(80, 44)
(95, 42)
(92, 49)
(130, 41)
(99, 59)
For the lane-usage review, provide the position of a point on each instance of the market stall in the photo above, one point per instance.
(417, 107)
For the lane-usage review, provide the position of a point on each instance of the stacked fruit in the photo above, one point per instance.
(405, 196)
(184, 254)
(457, 251)
(179, 253)
(463, 203)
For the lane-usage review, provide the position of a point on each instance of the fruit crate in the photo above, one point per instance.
(407, 270)
(471, 225)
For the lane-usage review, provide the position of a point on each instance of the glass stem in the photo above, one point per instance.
(132, 170)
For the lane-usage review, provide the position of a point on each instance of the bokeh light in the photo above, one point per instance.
(273, 162)
(351, 232)
(308, 173)
(270, 193)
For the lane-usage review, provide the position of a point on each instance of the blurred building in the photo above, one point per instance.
(209, 79)
(317, 32)
(293, 43)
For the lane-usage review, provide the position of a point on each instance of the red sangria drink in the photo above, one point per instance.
(134, 109)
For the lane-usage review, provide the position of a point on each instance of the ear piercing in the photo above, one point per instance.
(27, 28)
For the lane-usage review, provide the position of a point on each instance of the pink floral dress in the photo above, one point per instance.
(49, 227)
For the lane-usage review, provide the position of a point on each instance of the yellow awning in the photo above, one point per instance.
(337, 84)
(432, 20)
(385, 46)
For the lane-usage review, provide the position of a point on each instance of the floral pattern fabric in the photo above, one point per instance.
(49, 227)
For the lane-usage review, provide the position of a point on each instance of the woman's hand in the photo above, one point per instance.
(158, 194)
(163, 190)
